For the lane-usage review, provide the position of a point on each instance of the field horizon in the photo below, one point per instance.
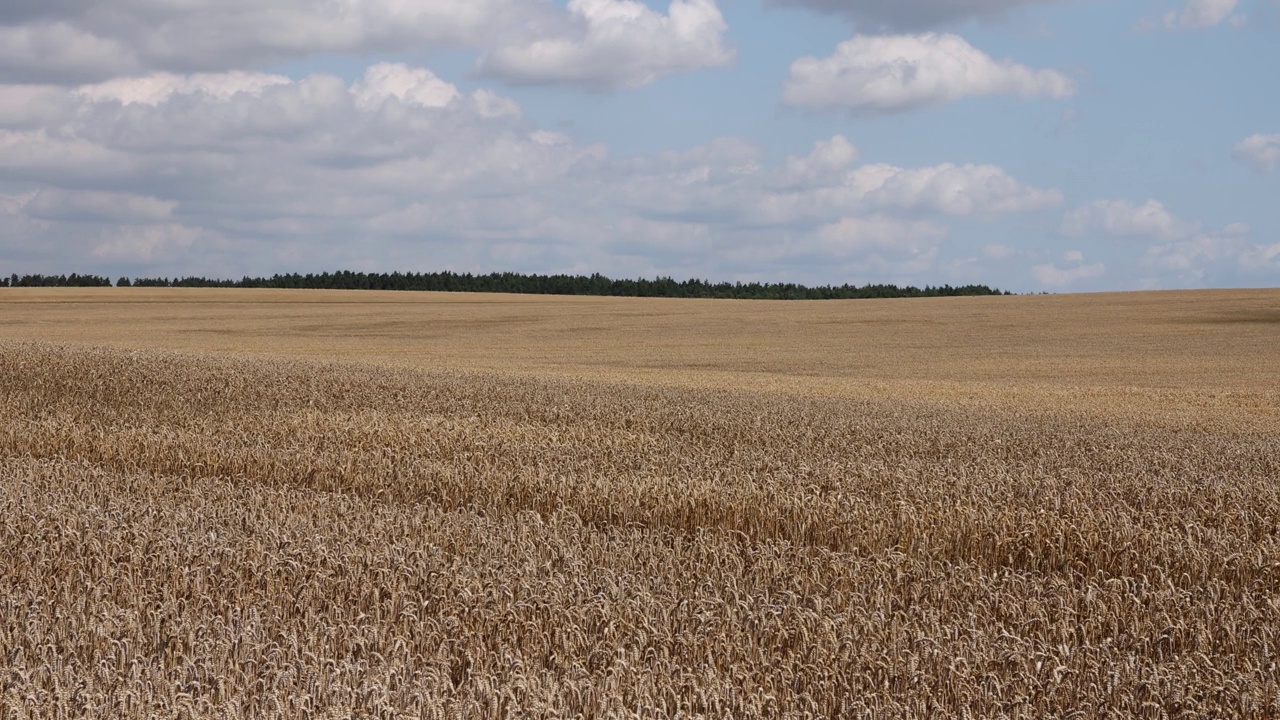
(1219, 347)
(329, 504)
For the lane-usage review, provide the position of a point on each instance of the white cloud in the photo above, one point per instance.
(617, 43)
(603, 44)
(1121, 218)
(1260, 259)
(881, 245)
(80, 41)
(875, 247)
(1261, 152)
(158, 87)
(30, 106)
(147, 170)
(826, 163)
(411, 86)
(897, 73)
(1050, 275)
(913, 14)
(145, 243)
(14, 205)
(492, 105)
(882, 235)
(35, 154)
(97, 206)
(999, 251)
(57, 51)
(1200, 14)
(951, 189)
(1211, 256)
(727, 182)
(1189, 256)
(249, 173)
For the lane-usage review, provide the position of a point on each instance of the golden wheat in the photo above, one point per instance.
(197, 534)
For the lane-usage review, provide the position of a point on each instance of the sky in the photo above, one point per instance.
(1031, 145)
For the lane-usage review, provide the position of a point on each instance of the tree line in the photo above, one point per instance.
(510, 282)
(72, 280)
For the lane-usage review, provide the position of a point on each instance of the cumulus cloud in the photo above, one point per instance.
(854, 248)
(1257, 259)
(151, 169)
(1261, 152)
(827, 163)
(890, 244)
(40, 155)
(232, 173)
(1123, 219)
(58, 51)
(1052, 276)
(895, 73)
(156, 88)
(1200, 14)
(617, 43)
(603, 44)
(31, 105)
(411, 86)
(88, 40)
(952, 189)
(727, 182)
(1213, 256)
(912, 14)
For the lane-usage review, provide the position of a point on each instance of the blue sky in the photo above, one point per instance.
(1034, 145)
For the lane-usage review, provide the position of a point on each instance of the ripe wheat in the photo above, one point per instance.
(200, 535)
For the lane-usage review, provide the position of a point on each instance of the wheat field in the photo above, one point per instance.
(309, 504)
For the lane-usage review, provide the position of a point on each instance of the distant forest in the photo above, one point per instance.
(508, 282)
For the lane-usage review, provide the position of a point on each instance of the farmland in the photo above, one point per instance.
(243, 504)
